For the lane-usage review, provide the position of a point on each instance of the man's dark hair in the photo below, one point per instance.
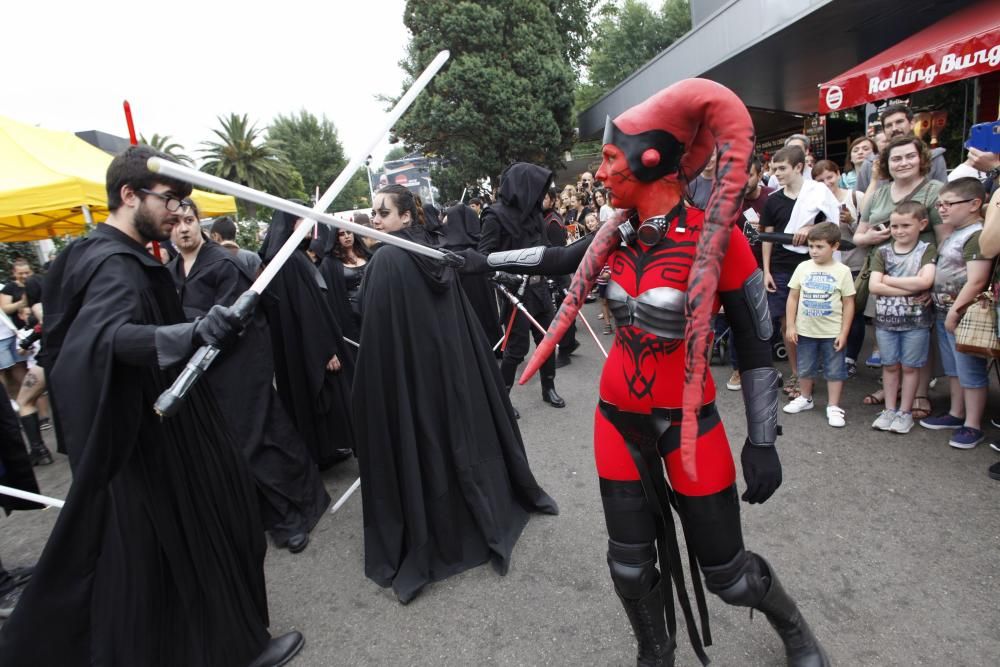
(225, 228)
(793, 155)
(755, 163)
(129, 168)
(476, 201)
(894, 109)
(825, 231)
(966, 187)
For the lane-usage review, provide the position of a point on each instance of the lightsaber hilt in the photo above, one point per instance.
(170, 401)
(775, 237)
(519, 305)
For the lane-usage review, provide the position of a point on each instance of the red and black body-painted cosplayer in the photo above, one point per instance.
(671, 269)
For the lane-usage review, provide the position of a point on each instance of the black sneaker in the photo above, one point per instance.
(852, 369)
(995, 422)
(994, 471)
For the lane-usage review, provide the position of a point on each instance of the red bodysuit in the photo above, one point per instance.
(643, 368)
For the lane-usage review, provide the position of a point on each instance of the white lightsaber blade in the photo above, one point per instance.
(311, 215)
(27, 495)
(171, 400)
(347, 494)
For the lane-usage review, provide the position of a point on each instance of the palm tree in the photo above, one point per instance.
(245, 156)
(166, 145)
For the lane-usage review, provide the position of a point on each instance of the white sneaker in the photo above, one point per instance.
(800, 404)
(835, 416)
(734, 383)
(902, 423)
(884, 420)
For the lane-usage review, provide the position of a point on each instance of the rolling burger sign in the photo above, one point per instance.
(979, 54)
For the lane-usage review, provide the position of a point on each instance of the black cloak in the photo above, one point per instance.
(515, 220)
(305, 335)
(157, 557)
(462, 232)
(332, 270)
(15, 464)
(445, 479)
(292, 495)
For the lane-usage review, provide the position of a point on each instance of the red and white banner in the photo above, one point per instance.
(921, 61)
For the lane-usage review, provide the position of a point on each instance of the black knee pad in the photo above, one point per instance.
(633, 568)
(743, 581)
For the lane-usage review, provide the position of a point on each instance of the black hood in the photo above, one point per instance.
(437, 275)
(281, 228)
(463, 227)
(519, 208)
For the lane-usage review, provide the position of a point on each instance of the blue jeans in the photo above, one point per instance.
(817, 353)
(909, 348)
(970, 370)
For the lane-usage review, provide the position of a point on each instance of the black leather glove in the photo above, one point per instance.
(218, 328)
(474, 261)
(508, 280)
(761, 471)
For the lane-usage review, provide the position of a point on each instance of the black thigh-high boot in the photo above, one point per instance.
(40, 454)
(748, 581)
(637, 582)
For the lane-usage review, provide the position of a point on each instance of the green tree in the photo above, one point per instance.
(9, 252)
(166, 144)
(506, 95)
(245, 156)
(625, 38)
(314, 149)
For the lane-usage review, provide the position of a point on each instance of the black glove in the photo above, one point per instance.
(218, 328)
(508, 280)
(453, 259)
(474, 261)
(761, 471)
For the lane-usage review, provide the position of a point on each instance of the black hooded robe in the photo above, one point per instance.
(157, 557)
(305, 335)
(291, 492)
(445, 479)
(462, 232)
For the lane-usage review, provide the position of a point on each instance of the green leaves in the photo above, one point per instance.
(507, 93)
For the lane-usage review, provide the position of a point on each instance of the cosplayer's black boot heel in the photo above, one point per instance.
(748, 581)
(656, 647)
(801, 647)
(280, 650)
(40, 454)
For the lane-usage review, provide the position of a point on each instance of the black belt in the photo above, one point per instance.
(708, 418)
(648, 437)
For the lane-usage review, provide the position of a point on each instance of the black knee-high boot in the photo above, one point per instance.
(749, 581)
(638, 585)
(40, 454)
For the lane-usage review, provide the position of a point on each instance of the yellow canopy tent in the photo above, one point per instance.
(51, 181)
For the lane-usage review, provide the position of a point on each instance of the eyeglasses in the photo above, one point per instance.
(945, 205)
(172, 204)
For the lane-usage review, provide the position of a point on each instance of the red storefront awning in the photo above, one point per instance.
(963, 45)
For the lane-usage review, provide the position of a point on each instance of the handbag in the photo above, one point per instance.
(977, 330)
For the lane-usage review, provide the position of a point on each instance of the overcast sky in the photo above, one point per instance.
(68, 66)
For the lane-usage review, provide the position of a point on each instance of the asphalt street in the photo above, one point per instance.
(889, 543)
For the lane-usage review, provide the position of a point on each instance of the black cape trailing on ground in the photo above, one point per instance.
(157, 557)
(305, 335)
(462, 233)
(15, 464)
(292, 495)
(445, 480)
